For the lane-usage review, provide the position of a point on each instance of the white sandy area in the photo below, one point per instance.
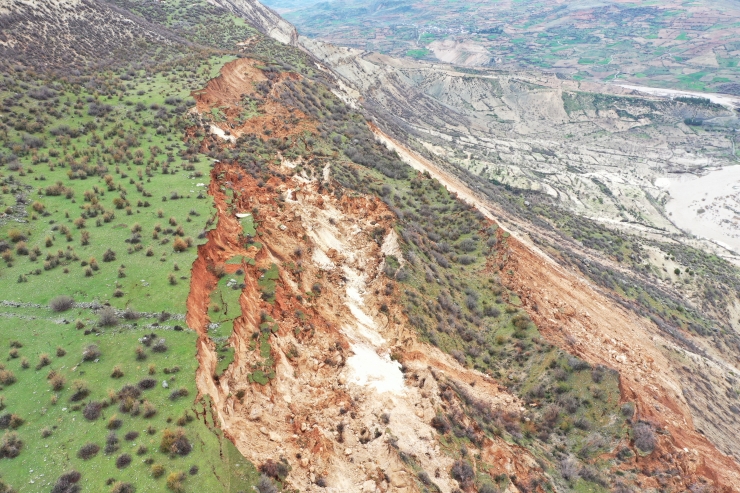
(367, 368)
(708, 206)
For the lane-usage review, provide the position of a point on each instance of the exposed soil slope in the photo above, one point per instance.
(574, 315)
(337, 407)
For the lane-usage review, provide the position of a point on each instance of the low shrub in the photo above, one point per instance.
(61, 303)
(10, 445)
(149, 409)
(67, 483)
(160, 346)
(175, 480)
(107, 317)
(175, 442)
(123, 460)
(44, 360)
(88, 451)
(92, 410)
(121, 487)
(7, 377)
(80, 390)
(181, 392)
(264, 485)
(644, 436)
(147, 383)
(462, 472)
(91, 353)
(114, 422)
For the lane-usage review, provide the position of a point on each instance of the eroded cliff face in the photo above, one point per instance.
(329, 378)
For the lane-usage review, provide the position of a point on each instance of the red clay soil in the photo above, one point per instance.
(239, 79)
(571, 314)
(280, 243)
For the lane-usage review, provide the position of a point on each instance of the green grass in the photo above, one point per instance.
(267, 283)
(419, 53)
(32, 398)
(131, 185)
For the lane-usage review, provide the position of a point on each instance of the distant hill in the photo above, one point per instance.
(668, 44)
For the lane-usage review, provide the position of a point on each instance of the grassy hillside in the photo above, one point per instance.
(103, 207)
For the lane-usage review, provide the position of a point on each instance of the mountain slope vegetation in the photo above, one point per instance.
(220, 274)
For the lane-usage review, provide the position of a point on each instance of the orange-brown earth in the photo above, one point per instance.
(316, 238)
(338, 406)
(231, 92)
(572, 314)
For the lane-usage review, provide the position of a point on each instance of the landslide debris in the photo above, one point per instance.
(359, 342)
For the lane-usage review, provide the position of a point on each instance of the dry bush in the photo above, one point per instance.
(107, 317)
(121, 487)
(174, 482)
(111, 443)
(80, 390)
(10, 445)
(140, 353)
(61, 303)
(569, 469)
(462, 472)
(264, 485)
(67, 483)
(57, 382)
(91, 353)
(175, 442)
(88, 451)
(44, 360)
(157, 470)
(160, 346)
(131, 314)
(123, 460)
(92, 410)
(644, 436)
(179, 245)
(7, 377)
(117, 372)
(149, 409)
(181, 392)
(147, 383)
(114, 422)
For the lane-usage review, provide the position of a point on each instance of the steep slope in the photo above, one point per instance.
(600, 150)
(337, 408)
(330, 320)
(61, 34)
(656, 371)
(262, 18)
